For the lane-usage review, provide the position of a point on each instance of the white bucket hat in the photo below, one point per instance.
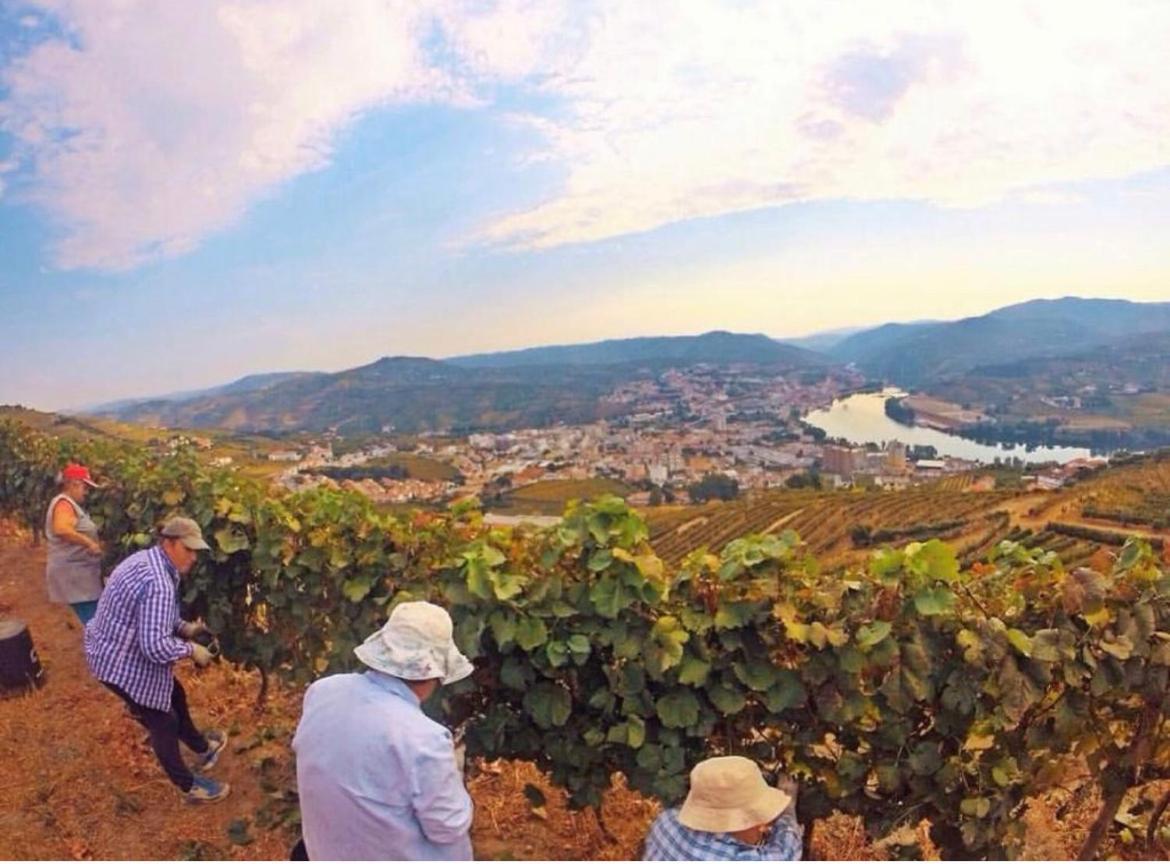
(728, 793)
(416, 645)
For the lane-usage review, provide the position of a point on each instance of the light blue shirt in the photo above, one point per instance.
(377, 778)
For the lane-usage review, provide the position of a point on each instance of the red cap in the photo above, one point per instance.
(73, 471)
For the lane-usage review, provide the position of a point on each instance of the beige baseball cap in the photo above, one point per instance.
(187, 530)
(728, 793)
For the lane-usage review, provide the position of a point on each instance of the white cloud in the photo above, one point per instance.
(168, 119)
(160, 123)
(722, 107)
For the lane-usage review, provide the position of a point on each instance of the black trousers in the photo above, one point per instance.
(167, 729)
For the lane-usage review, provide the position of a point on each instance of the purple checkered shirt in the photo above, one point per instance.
(131, 641)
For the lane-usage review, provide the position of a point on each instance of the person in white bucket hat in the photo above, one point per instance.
(377, 778)
(730, 814)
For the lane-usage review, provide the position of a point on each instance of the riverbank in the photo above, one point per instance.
(862, 419)
(1099, 434)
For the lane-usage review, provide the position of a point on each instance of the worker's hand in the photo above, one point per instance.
(191, 629)
(200, 655)
(95, 548)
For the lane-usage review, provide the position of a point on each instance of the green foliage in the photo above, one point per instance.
(906, 686)
(714, 486)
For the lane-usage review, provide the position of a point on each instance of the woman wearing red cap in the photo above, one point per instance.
(73, 567)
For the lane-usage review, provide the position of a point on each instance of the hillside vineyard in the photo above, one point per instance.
(907, 682)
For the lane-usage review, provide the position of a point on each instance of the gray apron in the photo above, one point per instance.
(73, 573)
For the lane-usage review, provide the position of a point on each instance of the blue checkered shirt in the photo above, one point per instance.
(131, 641)
(670, 840)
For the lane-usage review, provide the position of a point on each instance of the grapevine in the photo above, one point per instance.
(902, 686)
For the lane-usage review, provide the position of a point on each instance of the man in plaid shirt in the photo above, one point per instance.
(730, 814)
(133, 642)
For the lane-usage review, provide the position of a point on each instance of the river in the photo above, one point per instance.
(861, 419)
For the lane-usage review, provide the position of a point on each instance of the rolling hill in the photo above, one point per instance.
(535, 387)
(718, 346)
(917, 355)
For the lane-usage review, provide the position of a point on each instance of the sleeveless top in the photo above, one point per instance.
(73, 573)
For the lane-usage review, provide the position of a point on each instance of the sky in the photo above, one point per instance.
(192, 192)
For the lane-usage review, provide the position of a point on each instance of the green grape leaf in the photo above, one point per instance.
(632, 732)
(934, 601)
(231, 539)
(925, 759)
(557, 653)
(492, 556)
(871, 634)
(664, 645)
(515, 674)
(356, 589)
(579, 645)
(694, 671)
(610, 596)
(729, 700)
(677, 709)
(733, 614)
(503, 624)
(758, 674)
(1019, 640)
(600, 560)
(530, 632)
(976, 808)
(505, 586)
(549, 704)
(479, 580)
(933, 559)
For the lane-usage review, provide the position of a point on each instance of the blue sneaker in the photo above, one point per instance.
(204, 790)
(216, 741)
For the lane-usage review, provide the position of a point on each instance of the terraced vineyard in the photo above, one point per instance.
(550, 496)
(955, 482)
(677, 531)
(1137, 494)
(1073, 551)
(829, 523)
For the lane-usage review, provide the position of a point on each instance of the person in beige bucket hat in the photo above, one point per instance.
(730, 814)
(377, 778)
(416, 645)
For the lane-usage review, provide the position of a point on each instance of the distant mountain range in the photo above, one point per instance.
(915, 355)
(532, 387)
(718, 347)
(241, 385)
(823, 340)
(543, 385)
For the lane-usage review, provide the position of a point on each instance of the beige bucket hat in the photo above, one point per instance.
(416, 644)
(728, 793)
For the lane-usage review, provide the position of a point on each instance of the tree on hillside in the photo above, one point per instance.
(712, 486)
(810, 479)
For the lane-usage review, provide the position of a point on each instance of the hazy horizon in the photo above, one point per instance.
(305, 189)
